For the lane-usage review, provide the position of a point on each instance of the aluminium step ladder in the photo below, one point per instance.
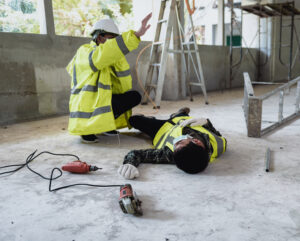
(159, 54)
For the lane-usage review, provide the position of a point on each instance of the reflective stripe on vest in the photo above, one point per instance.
(167, 139)
(122, 45)
(220, 144)
(91, 88)
(87, 115)
(93, 67)
(74, 77)
(121, 73)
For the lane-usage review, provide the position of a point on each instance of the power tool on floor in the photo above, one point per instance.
(79, 167)
(129, 201)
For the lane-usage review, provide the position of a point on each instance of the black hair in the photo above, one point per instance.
(192, 158)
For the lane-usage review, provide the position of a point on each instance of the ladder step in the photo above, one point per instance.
(158, 43)
(162, 21)
(196, 84)
(236, 47)
(286, 25)
(188, 43)
(176, 51)
(285, 45)
(156, 64)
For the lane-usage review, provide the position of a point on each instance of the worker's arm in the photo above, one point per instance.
(114, 49)
(133, 159)
(157, 156)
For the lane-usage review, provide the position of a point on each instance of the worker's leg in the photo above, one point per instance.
(124, 102)
(151, 125)
(147, 125)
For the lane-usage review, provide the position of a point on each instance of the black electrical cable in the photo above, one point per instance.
(20, 166)
(72, 185)
(51, 153)
(31, 157)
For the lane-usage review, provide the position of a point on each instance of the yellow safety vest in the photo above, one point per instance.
(167, 133)
(98, 72)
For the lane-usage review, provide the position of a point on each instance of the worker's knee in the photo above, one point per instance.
(135, 97)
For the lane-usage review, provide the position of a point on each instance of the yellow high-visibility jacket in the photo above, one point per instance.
(167, 133)
(97, 72)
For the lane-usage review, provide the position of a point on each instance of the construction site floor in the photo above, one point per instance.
(233, 199)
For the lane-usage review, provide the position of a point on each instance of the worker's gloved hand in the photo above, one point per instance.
(194, 122)
(128, 171)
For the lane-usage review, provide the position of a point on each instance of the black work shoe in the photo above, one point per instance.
(89, 139)
(181, 112)
(110, 133)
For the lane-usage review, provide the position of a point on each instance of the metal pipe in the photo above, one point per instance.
(280, 115)
(297, 97)
(291, 47)
(268, 157)
(280, 39)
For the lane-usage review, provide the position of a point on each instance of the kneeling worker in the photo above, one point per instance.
(101, 96)
(190, 143)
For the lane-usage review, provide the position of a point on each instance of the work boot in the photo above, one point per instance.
(88, 139)
(181, 112)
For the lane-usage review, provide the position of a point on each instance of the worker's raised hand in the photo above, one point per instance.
(144, 27)
(128, 171)
(194, 122)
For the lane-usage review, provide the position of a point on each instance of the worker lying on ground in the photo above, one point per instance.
(190, 143)
(101, 96)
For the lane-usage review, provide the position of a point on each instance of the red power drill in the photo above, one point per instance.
(129, 201)
(79, 167)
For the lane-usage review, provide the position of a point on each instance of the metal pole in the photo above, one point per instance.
(291, 47)
(280, 115)
(230, 50)
(268, 157)
(258, 59)
(297, 97)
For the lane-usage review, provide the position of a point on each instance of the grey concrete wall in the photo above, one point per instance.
(35, 84)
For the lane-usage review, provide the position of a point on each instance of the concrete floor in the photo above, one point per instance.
(234, 199)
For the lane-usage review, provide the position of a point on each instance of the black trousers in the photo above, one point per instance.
(124, 102)
(149, 125)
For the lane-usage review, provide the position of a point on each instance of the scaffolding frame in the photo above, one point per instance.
(266, 11)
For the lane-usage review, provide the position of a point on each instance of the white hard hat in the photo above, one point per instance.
(108, 25)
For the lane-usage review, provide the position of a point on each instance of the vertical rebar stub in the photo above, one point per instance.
(268, 157)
